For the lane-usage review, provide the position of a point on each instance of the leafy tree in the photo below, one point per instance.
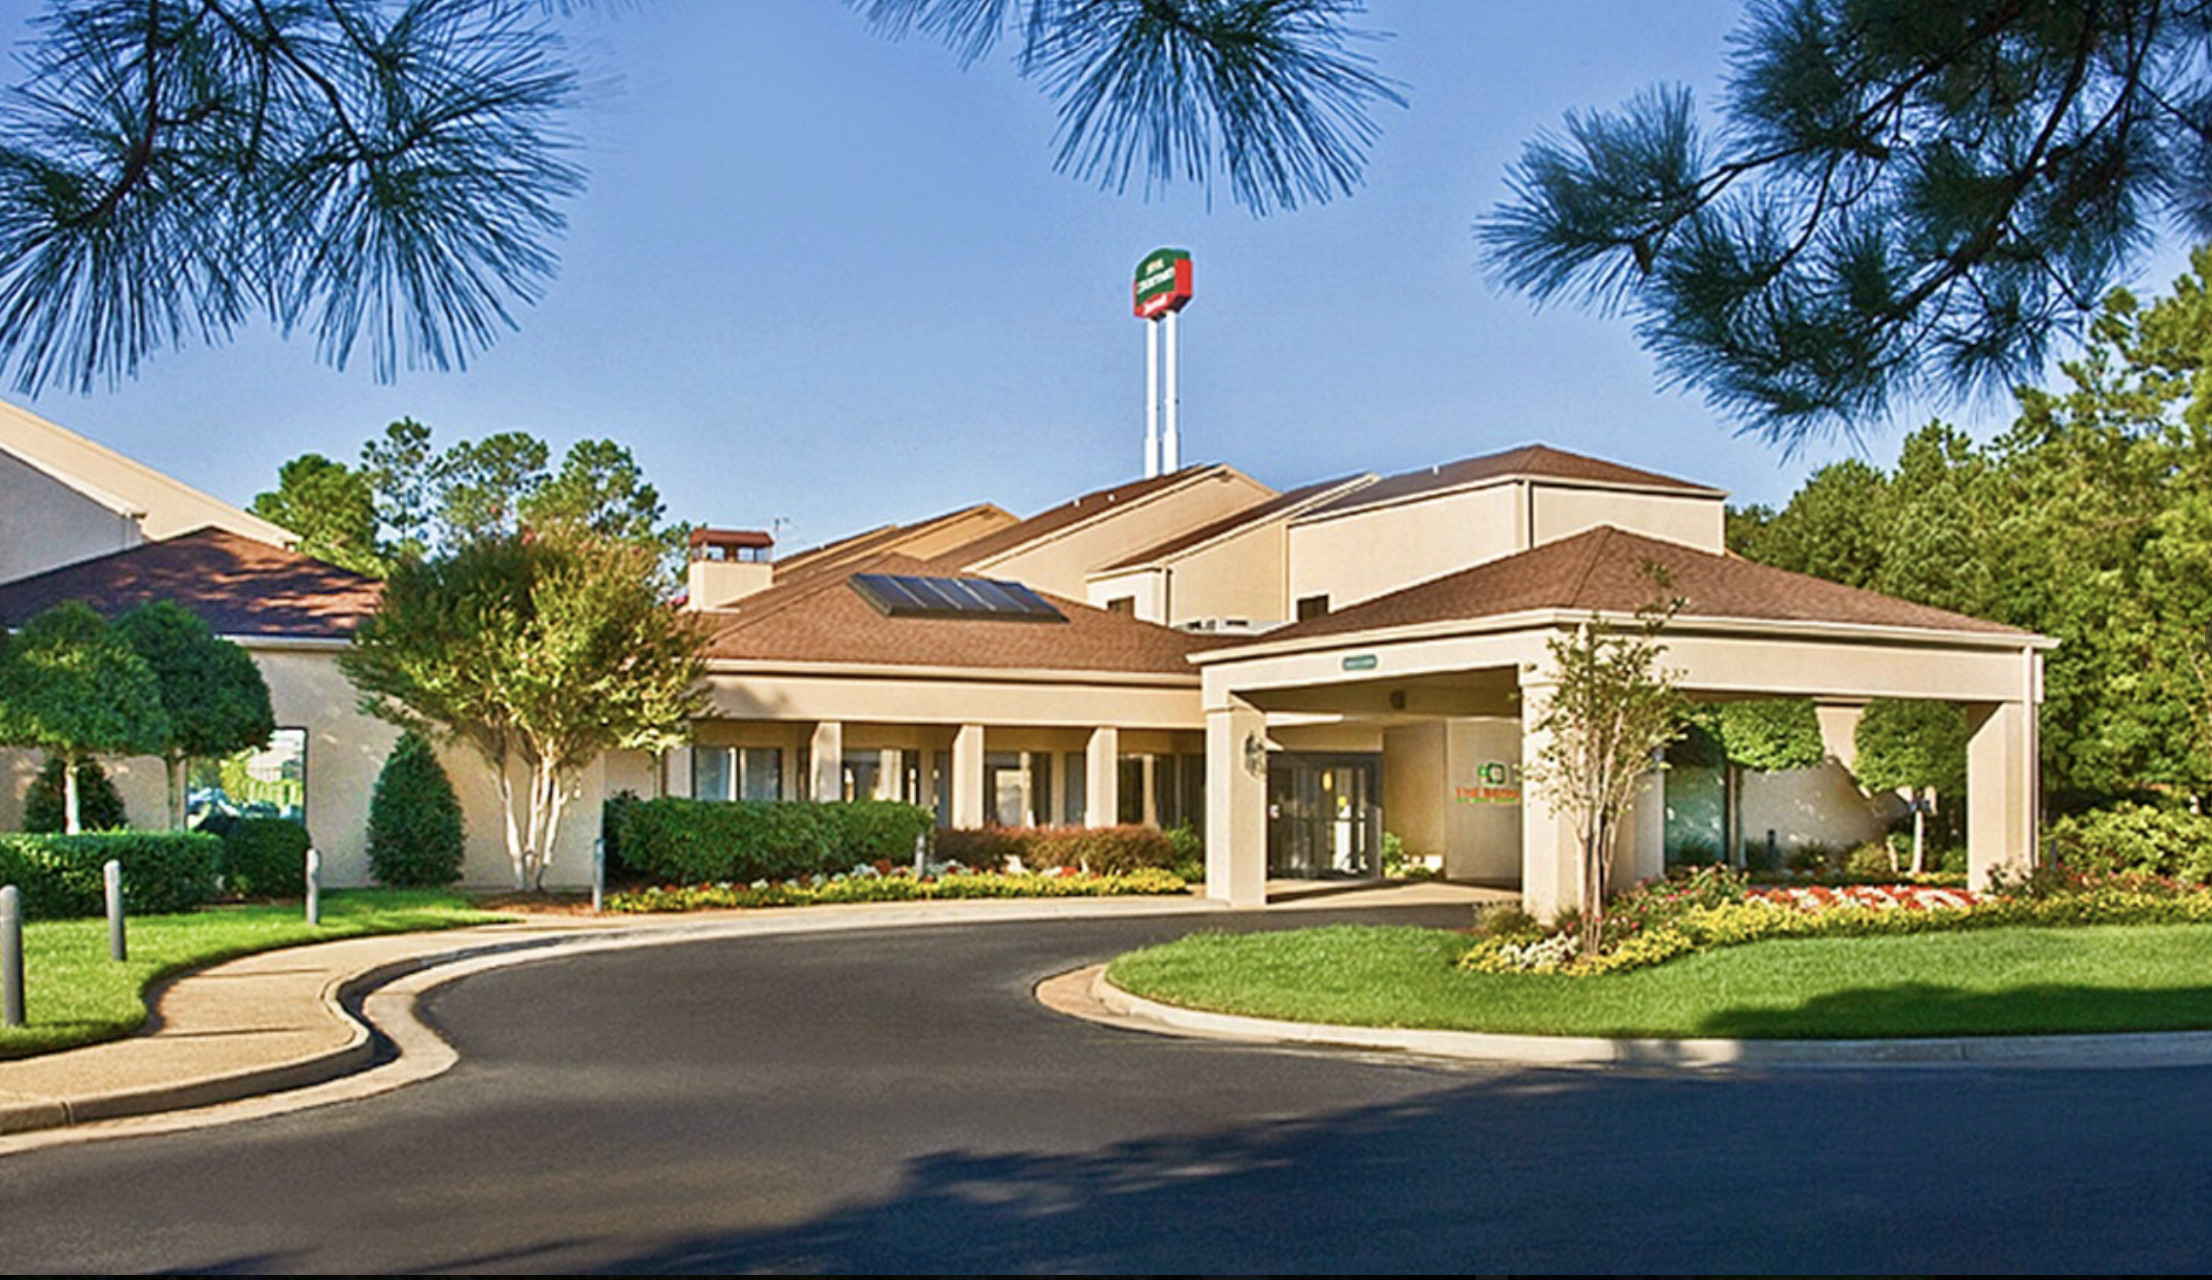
(1834, 526)
(99, 804)
(407, 500)
(213, 698)
(332, 507)
(1613, 710)
(1903, 196)
(396, 172)
(400, 469)
(538, 652)
(416, 836)
(1915, 746)
(72, 687)
(483, 485)
(2090, 520)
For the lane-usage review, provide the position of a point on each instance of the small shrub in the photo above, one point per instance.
(59, 876)
(988, 848)
(1507, 920)
(416, 837)
(99, 804)
(265, 858)
(1875, 858)
(1190, 853)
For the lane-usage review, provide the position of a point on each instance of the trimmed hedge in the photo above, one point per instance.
(1105, 851)
(684, 841)
(265, 858)
(59, 876)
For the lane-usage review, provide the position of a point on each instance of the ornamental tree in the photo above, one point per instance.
(71, 686)
(214, 699)
(539, 651)
(1613, 711)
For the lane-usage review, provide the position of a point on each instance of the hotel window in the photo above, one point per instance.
(1312, 606)
(737, 773)
(1122, 604)
(269, 782)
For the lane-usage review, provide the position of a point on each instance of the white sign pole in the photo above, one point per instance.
(1151, 398)
(1171, 444)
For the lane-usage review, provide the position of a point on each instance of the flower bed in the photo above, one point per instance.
(1657, 922)
(883, 882)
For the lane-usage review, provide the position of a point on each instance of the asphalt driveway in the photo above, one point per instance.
(895, 1101)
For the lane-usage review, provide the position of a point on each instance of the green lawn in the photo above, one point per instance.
(73, 994)
(1989, 982)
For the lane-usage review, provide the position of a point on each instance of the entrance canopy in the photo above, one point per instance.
(1475, 644)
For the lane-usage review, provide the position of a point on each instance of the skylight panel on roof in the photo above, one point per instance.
(903, 596)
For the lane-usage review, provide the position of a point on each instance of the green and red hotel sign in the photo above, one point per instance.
(1163, 282)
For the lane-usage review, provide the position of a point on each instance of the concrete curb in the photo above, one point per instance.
(2147, 1049)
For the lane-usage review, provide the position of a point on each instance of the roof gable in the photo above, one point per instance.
(1602, 570)
(1530, 461)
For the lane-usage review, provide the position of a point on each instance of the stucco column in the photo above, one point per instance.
(967, 776)
(2001, 769)
(827, 754)
(1839, 730)
(890, 774)
(677, 772)
(1102, 777)
(1236, 804)
(1641, 853)
(1551, 876)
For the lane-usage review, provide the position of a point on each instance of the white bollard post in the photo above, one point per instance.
(314, 886)
(11, 956)
(111, 877)
(599, 875)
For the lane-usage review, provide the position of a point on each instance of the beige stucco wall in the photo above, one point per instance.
(1367, 553)
(45, 523)
(1245, 575)
(169, 507)
(1143, 588)
(345, 752)
(1060, 563)
(1562, 512)
(1817, 806)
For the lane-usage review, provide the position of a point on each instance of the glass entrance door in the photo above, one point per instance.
(1324, 815)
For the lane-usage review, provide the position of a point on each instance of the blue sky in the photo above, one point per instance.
(833, 279)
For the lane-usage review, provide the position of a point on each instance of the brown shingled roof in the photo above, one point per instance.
(1534, 460)
(238, 586)
(889, 538)
(1602, 570)
(822, 619)
(1280, 506)
(1068, 514)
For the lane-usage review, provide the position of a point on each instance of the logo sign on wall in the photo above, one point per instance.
(1163, 283)
(1494, 782)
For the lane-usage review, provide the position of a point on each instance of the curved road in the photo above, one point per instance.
(896, 1101)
